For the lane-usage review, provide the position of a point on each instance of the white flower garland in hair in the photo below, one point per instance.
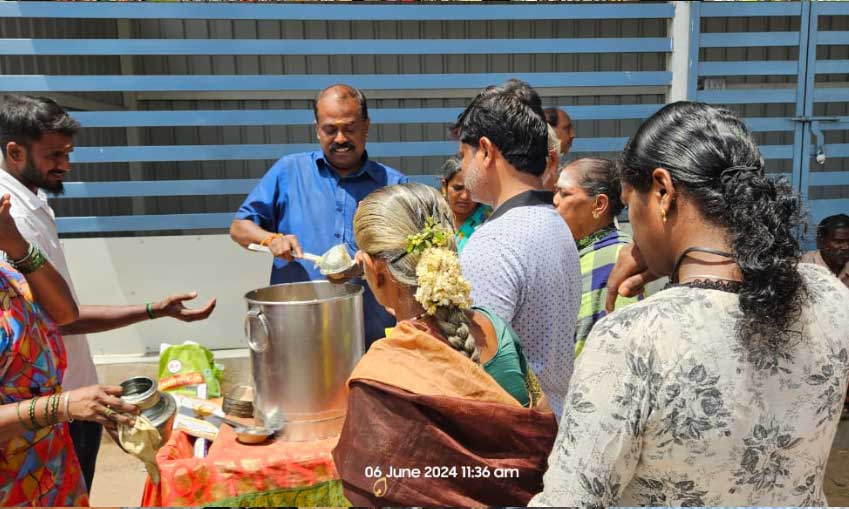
(441, 283)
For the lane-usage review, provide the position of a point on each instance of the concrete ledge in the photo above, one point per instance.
(113, 369)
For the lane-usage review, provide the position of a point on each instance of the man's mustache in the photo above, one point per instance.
(341, 146)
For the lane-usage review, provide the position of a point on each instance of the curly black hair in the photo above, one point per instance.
(711, 156)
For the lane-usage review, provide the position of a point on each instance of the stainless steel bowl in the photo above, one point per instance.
(252, 434)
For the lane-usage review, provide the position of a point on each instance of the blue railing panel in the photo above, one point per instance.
(129, 84)
(820, 209)
(430, 180)
(330, 47)
(837, 149)
(833, 9)
(101, 224)
(806, 93)
(748, 40)
(842, 123)
(825, 95)
(755, 96)
(162, 153)
(749, 68)
(158, 188)
(832, 38)
(770, 124)
(747, 9)
(229, 11)
(829, 178)
(832, 66)
(210, 187)
(205, 83)
(777, 151)
(306, 117)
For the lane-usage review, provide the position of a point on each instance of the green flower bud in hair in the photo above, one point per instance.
(432, 235)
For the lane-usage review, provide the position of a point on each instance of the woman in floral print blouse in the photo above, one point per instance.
(725, 388)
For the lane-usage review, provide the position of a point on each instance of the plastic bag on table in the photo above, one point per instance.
(182, 368)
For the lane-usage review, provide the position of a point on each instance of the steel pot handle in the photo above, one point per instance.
(256, 346)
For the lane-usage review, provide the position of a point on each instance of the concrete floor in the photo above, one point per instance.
(119, 478)
(837, 478)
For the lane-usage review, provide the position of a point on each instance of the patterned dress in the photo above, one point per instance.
(37, 468)
(667, 407)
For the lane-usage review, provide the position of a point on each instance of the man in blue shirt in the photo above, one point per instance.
(306, 201)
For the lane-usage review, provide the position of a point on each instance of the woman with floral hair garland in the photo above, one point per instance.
(418, 398)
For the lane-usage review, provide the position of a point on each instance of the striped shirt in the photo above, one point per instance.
(598, 253)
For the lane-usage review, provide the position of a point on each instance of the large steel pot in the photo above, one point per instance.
(305, 339)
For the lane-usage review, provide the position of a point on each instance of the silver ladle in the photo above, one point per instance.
(335, 264)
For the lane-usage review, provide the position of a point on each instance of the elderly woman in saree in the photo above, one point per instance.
(449, 391)
(724, 389)
(38, 465)
(588, 197)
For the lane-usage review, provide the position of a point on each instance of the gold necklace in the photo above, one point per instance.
(709, 277)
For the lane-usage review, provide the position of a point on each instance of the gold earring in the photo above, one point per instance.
(663, 215)
(595, 215)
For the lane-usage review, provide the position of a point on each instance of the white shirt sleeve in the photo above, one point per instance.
(30, 232)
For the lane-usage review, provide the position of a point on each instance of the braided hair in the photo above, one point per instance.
(711, 155)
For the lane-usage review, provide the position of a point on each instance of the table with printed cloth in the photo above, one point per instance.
(275, 473)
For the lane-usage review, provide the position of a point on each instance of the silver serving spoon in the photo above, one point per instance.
(335, 264)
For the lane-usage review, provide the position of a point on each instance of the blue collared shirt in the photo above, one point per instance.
(301, 195)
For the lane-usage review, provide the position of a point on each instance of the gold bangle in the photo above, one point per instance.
(32, 419)
(21, 419)
(68, 407)
(47, 406)
(55, 400)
